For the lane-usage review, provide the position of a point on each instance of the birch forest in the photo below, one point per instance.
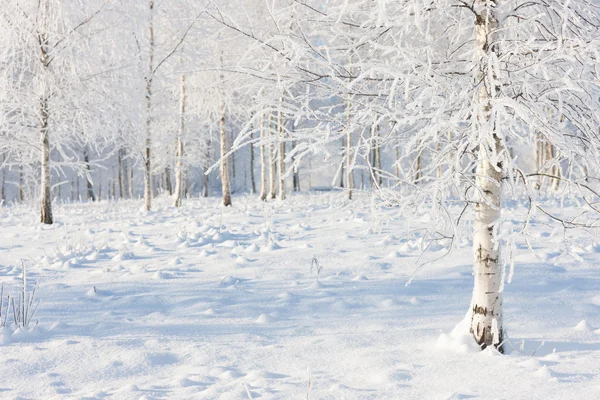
(320, 199)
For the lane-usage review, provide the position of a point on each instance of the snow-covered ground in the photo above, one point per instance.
(205, 303)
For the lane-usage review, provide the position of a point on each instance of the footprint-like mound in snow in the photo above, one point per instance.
(175, 261)
(583, 326)
(360, 278)
(241, 260)
(206, 253)
(123, 255)
(265, 319)
(415, 302)
(229, 281)
(237, 250)
(229, 375)
(185, 382)
(394, 254)
(544, 373)
(270, 247)
(253, 248)
(389, 303)
(159, 275)
(95, 292)
(316, 285)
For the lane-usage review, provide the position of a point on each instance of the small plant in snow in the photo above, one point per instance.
(314, 265)
(308, 389)
(24, 309)
(3, 309)
(247, 391)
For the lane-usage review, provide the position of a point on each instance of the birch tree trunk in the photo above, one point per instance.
(46, 179)
(296, 174)
(2, 192)
(90, 187)
(486, 304)
(120, 171)
(263, 161)
(21, 189)
(224, 166)
(205, 180)
(252, 180)
(272, 162)
(179, 160)
(125, 174)
(131, 183)
(342, 171)
(378, 157)
(281, 155)
(349, 180)
(148, 152)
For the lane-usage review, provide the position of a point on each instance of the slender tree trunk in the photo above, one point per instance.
(21, 183)
(281, 155)
(120, 171)
(150, 73)
(168, 185)
(349, 180)
(263, 160)
(90, 187)
(342, 172)
(114, 185)
(46, 178)
(378, 158)
(418, 162)
(296, 174)
(179, 160)
(272, 161)
(224, 166)
(45, 197)
(2, 192)
(205, 177)
(233, 176)
(486, 304)
(252, 179)
(131, 182)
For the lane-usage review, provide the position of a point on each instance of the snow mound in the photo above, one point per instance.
(415, 302)
(544, 373)
(159, 275)
(394, 254)
(459, 340)
(583, 326)
(241, 260)
(360, 278)
(253, 248)
(265, 319)
(316, 285)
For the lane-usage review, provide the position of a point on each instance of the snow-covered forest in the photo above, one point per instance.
(337, 199)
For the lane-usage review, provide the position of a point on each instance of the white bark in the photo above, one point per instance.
(281, 155)
(224, 166)
(179, 160)
(272, 162)
(263, 161)
(148, 152)
(486, 304)
(46, 179)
